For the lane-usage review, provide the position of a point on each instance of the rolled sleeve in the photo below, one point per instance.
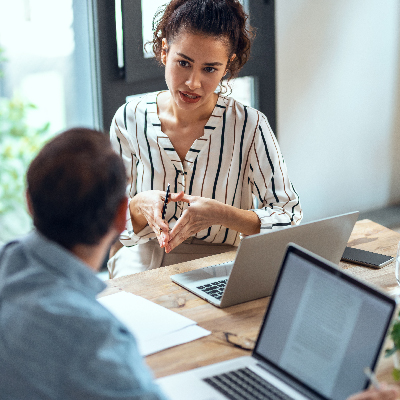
(129, 238)
(279, 204)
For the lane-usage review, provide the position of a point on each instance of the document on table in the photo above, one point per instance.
(155, 327)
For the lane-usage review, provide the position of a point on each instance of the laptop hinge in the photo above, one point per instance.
(309, 393)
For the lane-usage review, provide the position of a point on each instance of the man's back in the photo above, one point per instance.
(56, 340)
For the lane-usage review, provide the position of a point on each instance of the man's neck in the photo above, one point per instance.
(93, 255)
(88, 255)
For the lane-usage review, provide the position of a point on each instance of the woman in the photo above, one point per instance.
(217, 154)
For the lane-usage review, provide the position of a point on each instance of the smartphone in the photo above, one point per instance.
(367, 258)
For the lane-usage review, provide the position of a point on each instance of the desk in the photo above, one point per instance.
(243, 319)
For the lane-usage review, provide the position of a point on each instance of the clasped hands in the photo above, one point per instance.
(146, 208)
(201, 214)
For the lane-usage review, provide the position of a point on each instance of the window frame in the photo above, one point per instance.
(141, 75)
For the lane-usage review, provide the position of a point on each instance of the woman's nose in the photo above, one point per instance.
(193, 82)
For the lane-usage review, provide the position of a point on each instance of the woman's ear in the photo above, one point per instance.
(230, 60)
(164, 51)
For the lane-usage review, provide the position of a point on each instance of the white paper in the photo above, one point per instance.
(172, 339)
(155, 327)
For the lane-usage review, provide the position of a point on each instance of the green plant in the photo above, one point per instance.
(395, 336)
(18, 145)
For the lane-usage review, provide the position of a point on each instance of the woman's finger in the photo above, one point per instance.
(179, 233)
(181, 196)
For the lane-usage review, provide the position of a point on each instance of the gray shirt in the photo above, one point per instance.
(56, 340)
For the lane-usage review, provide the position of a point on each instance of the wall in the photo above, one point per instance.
(339, 102)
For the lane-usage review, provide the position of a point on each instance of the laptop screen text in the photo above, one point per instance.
(320, 327)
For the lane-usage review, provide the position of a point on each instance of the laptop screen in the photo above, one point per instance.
(323, 327)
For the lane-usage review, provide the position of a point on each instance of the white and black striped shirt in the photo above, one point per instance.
(237, 159)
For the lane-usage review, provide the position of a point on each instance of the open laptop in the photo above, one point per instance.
(322, 328)
(253, 272)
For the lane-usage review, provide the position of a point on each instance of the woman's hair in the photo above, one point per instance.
(222, 18)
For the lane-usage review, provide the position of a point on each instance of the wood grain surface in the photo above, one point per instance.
(244, 319)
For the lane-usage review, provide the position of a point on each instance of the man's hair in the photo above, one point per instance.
(75, 185)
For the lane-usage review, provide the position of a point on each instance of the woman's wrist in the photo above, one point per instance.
(243, 221)
(139, 221)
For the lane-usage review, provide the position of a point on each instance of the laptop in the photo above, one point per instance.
(258, 258)
(322, 328)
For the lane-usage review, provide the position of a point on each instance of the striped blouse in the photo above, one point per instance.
(237, 162)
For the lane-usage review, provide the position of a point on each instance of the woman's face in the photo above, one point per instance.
(194, 66)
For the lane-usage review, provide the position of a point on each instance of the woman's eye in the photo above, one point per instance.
(183, 63)
(209, 69)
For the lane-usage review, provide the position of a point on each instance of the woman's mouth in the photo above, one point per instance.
(189, 97)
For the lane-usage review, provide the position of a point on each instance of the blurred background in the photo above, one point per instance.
(326, 74)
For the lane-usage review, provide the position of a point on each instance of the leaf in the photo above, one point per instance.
(395, 334)
(19, 143)
(396, 374)
(390, 352)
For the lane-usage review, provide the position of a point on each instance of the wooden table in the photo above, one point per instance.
(243, 319)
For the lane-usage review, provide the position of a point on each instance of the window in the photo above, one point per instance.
(125, 70)
(45, 87)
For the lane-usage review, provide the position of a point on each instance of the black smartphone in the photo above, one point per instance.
(367, 258)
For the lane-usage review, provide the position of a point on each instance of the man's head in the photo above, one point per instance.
(75, 186)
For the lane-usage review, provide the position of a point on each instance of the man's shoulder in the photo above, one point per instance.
(10, 248)
(60, 322)
(13, 256)
(70, 342)
(77, 312)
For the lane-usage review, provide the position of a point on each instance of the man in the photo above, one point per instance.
(56, 340)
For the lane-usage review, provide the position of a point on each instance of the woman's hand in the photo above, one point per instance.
(201, 214)
(146, 209)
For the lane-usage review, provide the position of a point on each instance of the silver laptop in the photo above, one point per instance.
(322, 328)
(253, 272)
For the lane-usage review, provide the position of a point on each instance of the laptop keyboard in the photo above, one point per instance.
(244, 384)
(214, 289)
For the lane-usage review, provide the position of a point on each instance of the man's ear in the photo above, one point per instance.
(29, 203)
(120, 217)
